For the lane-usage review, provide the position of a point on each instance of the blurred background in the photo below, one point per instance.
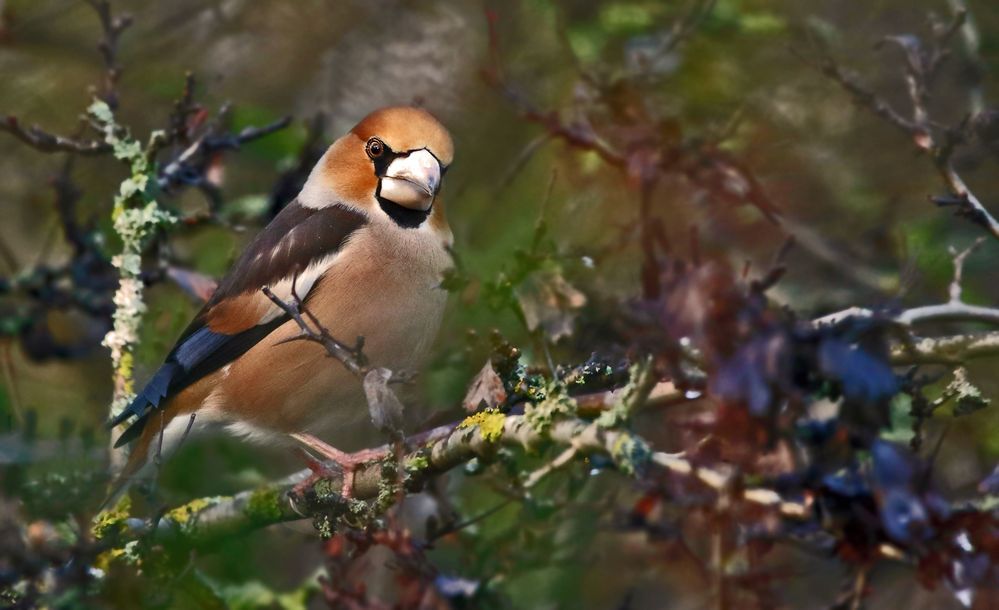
(849, 187)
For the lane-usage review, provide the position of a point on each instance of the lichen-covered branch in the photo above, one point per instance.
(373, 487)
(204, 521)
(950, 349)
(136, 217)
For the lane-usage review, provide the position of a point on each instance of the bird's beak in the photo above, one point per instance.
(412, 181)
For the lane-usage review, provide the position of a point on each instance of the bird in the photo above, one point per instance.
(364, 248)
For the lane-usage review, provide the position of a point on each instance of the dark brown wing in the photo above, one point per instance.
(239, 315)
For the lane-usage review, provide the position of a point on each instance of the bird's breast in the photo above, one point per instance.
(383, 287)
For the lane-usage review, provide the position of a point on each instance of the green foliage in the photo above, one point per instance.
(255, 595)
(60, 494)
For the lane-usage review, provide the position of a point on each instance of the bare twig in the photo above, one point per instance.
(945, 312)
(939, 143)
(352, 358)
(971, 41)
(46, 142)
(112, 26)
(953, 310)
(188, 166)
(959, 258)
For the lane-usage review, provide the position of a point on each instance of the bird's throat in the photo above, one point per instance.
(406, 218)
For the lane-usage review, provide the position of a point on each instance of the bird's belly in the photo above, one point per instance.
(294, 386)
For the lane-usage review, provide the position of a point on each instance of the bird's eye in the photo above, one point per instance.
(375, 148)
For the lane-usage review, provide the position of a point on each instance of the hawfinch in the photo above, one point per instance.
(365, 244)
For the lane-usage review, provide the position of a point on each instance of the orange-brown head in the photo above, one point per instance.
(394, 158)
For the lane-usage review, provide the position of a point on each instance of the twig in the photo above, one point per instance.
(352, 358)
(46, 142)
(920, 128)
(10, 380)
(199, 153)
(945, 312)
(859, 586)
(112, 26)
(684, 28)
(959, 258)
(971, 41)
(953, 310)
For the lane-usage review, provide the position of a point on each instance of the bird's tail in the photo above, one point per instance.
(134, 470)
(144, 403)
(152, 443)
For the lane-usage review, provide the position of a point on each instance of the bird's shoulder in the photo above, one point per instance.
(297, 238)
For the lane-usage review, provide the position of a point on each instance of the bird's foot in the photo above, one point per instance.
(348, 463)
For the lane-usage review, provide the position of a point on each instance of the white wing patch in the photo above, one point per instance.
(303, 284)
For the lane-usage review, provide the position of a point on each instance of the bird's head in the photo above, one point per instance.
(395, 158)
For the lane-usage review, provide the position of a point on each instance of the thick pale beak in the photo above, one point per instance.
(412, 181)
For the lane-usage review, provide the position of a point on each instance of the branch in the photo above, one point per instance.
(944, 312)
(46, 142)
(203, 522)
(954, 310)
(952, 349)
(920, 128)
(199, 153)
(352, 358)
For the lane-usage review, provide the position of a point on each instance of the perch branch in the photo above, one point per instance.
(203, 522)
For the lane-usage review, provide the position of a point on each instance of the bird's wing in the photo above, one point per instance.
(299, 246)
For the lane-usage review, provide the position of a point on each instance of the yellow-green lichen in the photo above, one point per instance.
(183, 514)
(111, 520)
(490, 423)
(630, 453)
(640, 382)
(129, 553)
(557, 403)
(417, 463)
(103, 561)
(264, 505)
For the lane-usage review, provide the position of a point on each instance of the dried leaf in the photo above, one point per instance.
(198, 285)
(383, 405)
(549, 302)
(486, 390)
